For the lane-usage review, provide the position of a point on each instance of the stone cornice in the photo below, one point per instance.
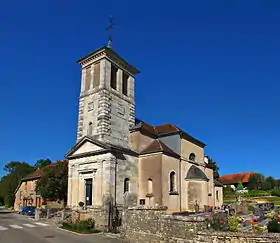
(97, 89)
(111, 55)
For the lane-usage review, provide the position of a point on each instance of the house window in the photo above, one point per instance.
(192, 157)
(150, 186)
(172, 187)
(142, 201)
(126, 185)
(217, 195)
(90, 129)
(124, 83)
(114, 71)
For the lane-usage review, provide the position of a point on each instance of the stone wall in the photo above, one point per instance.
(153, 225)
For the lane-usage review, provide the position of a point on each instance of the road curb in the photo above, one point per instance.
(80, 234)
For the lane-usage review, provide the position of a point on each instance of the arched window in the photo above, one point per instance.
(90, 129)
(126, 185)
(217, 195)
(172, 186)
(192, 157)
(150, 186)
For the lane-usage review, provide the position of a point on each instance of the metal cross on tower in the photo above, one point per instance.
(110, 29)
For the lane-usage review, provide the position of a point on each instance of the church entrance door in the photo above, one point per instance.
(88, 198)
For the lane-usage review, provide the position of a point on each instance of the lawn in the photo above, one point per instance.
(274, 199)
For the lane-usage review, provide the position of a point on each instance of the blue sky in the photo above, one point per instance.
(210, 67)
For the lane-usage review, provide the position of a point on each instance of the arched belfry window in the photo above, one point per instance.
(172, 181)
(126, 185)
(192, 157)
(150, 186)
(90, 129)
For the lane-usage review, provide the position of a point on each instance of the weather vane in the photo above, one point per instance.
(110, 29)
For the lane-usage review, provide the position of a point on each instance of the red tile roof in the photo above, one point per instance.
(158, 146)
(165, 129)
(236, 178)
(38, 173)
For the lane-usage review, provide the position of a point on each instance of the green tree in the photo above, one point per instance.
(8, 184)
(53, 183)
(240, 186)
(269, 183)
(42, 163)
(215, 167)
(256, 182)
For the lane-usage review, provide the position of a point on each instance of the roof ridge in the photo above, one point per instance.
(160, 144)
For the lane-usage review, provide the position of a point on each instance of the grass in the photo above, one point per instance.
(81, 230)
(274, 199)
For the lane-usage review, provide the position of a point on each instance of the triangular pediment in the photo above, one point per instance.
(85, 146)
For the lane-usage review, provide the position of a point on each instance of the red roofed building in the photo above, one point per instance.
(25, 194)
(235, 179)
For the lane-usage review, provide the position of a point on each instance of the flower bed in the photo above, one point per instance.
(82, 227)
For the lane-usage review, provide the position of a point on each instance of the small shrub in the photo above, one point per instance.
(83, 226)
(81, 204)
(219, 222)
(240, 186)
(273, 226)
(275, 192)
(233, 223)
(251, 207)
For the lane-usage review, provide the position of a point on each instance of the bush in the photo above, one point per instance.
(275, 192)
(219, 222)
(81, 204)
(273, 227)
(233, 223)
(251, 207)
(9, 200)
(83, 226)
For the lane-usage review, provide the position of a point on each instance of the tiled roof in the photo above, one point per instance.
(164, 130)
(38, 173)
(217, 183)
(236, 178)
(158, 146)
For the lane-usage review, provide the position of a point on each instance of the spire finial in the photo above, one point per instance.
(109, 29)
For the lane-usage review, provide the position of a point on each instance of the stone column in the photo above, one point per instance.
(83, 80)
(102, 73)
(119, 80)
(130, 88)
(105, 73)
(69, 189)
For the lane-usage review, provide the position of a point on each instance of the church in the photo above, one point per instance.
(115, 153)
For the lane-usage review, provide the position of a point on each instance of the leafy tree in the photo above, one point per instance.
(8, 184)
(53, 183)
(240, 186)
(215, 167)
(269, 183)
(42, 163)
(256, 182)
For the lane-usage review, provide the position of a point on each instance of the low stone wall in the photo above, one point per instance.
(153, 225)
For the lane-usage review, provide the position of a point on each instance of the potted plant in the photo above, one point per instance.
(81, 204)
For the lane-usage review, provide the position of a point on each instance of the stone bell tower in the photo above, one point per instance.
(106, 103)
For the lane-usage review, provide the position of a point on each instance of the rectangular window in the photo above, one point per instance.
(88, 78)
(124, 83)
(142, 201)
(114, 71)
(96, 78)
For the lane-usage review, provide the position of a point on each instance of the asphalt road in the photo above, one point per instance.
(15, 228)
